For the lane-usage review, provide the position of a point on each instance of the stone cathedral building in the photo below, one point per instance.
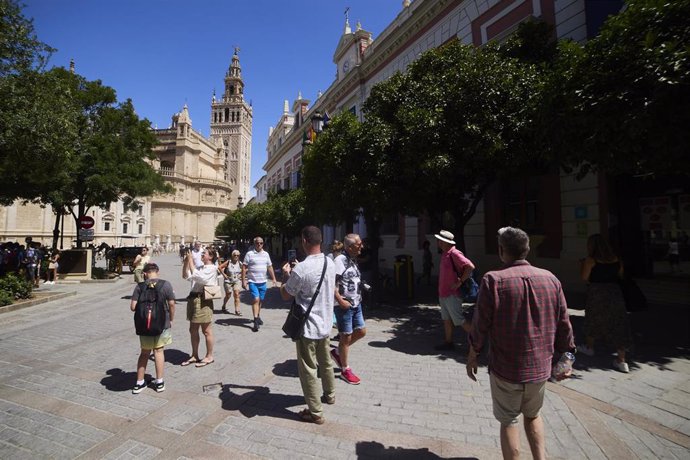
(210, 176)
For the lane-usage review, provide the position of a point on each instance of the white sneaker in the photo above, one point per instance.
(621, 366)
(585, 350)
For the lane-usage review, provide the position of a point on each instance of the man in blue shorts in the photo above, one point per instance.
(348, 305)
(256, 264)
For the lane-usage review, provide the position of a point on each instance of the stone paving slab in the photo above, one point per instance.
(68, 367)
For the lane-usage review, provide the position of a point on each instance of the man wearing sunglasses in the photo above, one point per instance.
(256, 264)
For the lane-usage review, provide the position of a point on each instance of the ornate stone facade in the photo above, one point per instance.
(210, 177)
(195, 166)
(231, 124)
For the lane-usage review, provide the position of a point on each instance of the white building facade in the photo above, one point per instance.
(362, 62)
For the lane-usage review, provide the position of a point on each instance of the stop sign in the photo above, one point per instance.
(86, 222)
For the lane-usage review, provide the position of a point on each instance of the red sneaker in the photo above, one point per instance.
(350, 377)
(336, 356)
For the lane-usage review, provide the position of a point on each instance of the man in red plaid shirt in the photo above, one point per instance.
(522, 312)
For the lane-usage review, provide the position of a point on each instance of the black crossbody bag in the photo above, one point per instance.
(296, 318)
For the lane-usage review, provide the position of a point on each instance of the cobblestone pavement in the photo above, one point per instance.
(67, 368)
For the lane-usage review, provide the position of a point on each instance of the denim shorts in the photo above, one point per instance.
(350, 319)
(258, 290)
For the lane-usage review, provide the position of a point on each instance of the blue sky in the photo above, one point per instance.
(163, 53)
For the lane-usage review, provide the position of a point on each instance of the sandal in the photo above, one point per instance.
(203, 363)
(308, 417)
(191, 360)
(238, 313)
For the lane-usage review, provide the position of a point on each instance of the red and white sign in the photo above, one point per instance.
(86, 222)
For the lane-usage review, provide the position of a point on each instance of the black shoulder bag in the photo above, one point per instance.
(296, 318)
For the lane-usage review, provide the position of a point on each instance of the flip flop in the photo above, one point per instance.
(203, 363)
(191, 360)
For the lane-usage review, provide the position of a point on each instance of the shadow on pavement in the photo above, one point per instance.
(659, 337)
(258, 400)
(287, 368)
(175, 356)
(119, 380)
(237, 321)
(375, 450)
(415, 332)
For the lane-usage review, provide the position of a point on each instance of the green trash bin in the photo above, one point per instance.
(404, 276)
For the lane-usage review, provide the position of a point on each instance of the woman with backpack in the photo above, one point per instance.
(200, 308)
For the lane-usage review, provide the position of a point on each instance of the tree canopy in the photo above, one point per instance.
(283, 213)
(457, 120)
(627, 94)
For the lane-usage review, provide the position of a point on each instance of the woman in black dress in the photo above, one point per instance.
(605, 314)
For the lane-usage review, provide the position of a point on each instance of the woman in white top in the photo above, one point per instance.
(138, 264)
(199, 309)
(231, 270)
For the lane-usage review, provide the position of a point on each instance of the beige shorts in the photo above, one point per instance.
(451, 309)
(512, 399)
(232, 286)
(199, 311)
(154, 342)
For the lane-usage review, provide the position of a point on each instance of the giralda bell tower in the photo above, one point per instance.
(231, 121)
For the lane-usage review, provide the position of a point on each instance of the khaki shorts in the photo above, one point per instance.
(451, 309)
(199, 310)
(154, 342)
(232, 286)
(511, 399)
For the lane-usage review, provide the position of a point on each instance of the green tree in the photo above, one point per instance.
(459, 119)
(20, 48)
(112, 156)
(347, 171)
(627, 97)
(282, 213)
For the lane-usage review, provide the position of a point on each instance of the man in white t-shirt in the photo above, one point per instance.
(348, 309)
(197, 251)
(314, 344)
(256, 263)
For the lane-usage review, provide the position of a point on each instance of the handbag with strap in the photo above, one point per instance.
(297, 317)
(212, 292)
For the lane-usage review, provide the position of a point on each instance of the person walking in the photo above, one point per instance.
(314, 344)
(427, 263)
(522, 313)
(139, 262)
(231, 270)
(605, 313)
(200, 309)
(256, 263)
(454, 269)
(348, 310)
(154, 344)
(196, 251)
(53, 267)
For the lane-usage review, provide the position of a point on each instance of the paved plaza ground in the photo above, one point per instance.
(67, 368)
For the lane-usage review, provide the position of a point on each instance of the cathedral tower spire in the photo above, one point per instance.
(231, 125)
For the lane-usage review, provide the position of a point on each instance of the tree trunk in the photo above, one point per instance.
(56, 228)
(374, 237)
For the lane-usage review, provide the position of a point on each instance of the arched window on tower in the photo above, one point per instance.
(232, 89)
(215, 117)
(227, 114)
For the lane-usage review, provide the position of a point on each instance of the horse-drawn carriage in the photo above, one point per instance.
(117, 258)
